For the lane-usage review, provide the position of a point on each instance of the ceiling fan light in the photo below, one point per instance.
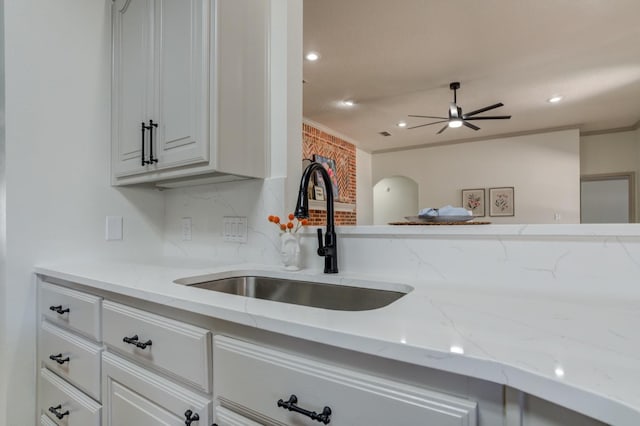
(454, 124)
(554, 99)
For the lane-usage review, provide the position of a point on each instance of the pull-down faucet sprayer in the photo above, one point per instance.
(329, 249)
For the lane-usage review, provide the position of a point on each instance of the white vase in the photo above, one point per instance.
(290, 251)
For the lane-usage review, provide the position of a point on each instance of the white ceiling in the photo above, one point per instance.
(395, 58)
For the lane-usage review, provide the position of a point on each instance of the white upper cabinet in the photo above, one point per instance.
(189, 89)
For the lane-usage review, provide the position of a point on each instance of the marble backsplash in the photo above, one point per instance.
(576, 260)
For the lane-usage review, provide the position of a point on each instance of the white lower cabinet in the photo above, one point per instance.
(274, 387)
(133, 395)
(64, 404)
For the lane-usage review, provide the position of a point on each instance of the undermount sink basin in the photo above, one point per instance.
(306, 293)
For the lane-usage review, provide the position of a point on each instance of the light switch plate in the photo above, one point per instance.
(235, 229)
(113, 228)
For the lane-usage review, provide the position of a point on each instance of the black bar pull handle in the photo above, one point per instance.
(142, 159)
(134, 340)
(56, 412)
(152, 159)
(59, 309)
(190, 417)
(58, 358)
(324, 417)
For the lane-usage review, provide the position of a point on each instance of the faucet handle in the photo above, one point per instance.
(320, 243)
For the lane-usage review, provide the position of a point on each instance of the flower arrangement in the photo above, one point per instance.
(290, 226)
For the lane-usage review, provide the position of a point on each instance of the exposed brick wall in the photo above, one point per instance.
(315, 141)
(317, 217)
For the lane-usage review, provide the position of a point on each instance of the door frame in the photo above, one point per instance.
(631, 179)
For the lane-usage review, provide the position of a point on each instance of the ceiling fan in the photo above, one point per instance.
(457, 118)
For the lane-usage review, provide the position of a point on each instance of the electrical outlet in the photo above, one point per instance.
(235, 229)
(186, 228)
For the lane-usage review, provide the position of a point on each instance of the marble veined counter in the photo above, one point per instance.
(579, 352)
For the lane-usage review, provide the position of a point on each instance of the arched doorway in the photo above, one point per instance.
(394, 198)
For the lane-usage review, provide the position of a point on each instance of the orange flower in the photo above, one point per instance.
(291, 216)
(304, 222)
(276, 219)
(283, 227)
(290, 225)
(270, 218)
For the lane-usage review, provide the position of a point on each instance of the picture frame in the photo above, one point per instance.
(318, 193)
(474, 201)
(330, 166)
(501, 201)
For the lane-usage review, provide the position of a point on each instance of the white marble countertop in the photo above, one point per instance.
(580, 353)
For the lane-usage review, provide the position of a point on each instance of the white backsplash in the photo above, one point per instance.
(583, 260)
(207, 205)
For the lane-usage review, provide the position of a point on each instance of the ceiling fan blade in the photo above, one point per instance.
(443, 129)
(471, 126)
(428, 116)
(428, 124)
(478, 111)
(493, 117)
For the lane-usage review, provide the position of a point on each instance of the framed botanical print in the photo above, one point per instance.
(501, 202)
(473, 200)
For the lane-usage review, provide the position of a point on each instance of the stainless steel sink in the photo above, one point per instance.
(306, 293)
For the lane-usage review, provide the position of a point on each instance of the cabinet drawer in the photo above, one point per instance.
(74, 358)
(46, 421)
(250, 380)
(134, 395)
(71, 309)
(59, 396)
(224, 417)
(178, 349)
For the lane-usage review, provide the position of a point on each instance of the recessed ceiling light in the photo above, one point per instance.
(454, 124)
(348, 103)
(402, 124)
(554, 99)
(312, 56)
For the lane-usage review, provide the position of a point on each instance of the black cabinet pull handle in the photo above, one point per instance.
(133, 340)
(142, 159)
(58, 309)
(190, 417)
(57, 413)
(152, 159)
(324, 417)
(58, 358)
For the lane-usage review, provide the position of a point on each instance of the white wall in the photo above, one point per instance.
(609, 153)
(364, 188)
(544, 169)
(57, 170)
(3, 229)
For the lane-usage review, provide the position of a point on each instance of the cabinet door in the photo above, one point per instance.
(132, 83)
(133, 395)
(181, 68)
